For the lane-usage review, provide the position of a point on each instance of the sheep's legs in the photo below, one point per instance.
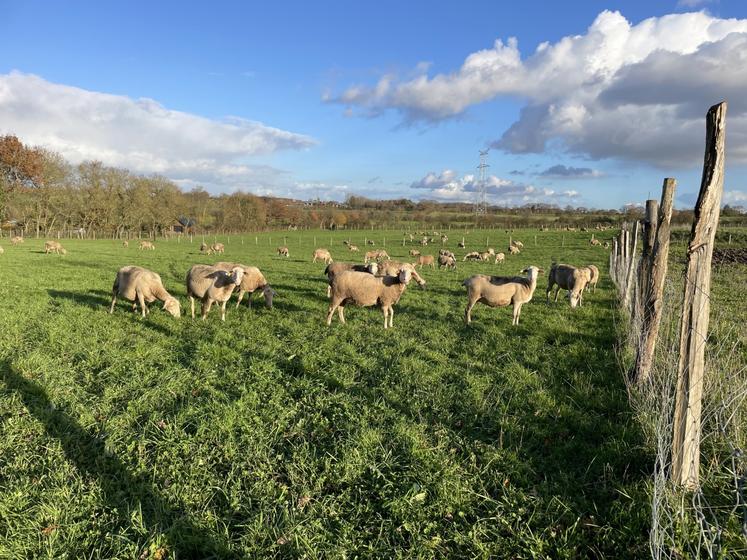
(241, 296)
(517, 312)
(141, 301)
(329, 290)
(391, 317)
(223, 311)
(468, 311)
(341, 313)
(557, 291)
(192, 302)
(206, 309)
(114, 301)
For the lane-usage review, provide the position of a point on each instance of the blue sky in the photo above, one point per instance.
(384, 99)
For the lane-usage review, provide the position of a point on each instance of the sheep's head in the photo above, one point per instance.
(63, 251)
(171, 305)
(268, 294)
(404, 276)
(237, 275)
(533, 272)
(373, 268)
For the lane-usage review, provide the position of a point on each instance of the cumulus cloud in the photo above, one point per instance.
(141, 134)
(449, 186)
(636, 92)
(567, 172)
(693, 3)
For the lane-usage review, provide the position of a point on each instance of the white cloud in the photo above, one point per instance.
(636, 92)
(693, 3)
(569, 172)
(448, 186)
(734, 197)
(141, 135)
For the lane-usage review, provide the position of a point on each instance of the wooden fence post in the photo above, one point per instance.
(652, 286)
(696, 306)
(629, 283)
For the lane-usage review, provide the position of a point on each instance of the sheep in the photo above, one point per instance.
(606, 245)
(566, 277)
(125, 244)
(499, 258)
(366, 290)
(205, 248)
(499, 291)
(54, 247)
(485, 256)
(218, 248)
(513, 250)
(446, 253)
(353, 248)
(333, 269)
(370, 242)
(17, 240)
(212, 285)
(446, 261)
(252, 281)
(323, 255)
(427, 260)
(414, 253)
(1, 250)
(378, 255)
(345, 242)
(518, 244)
(424, 241)
(142, 286)
(461, 244)
(392, 268)
(491, 251)
(444, 239)
(283, 251)
(593, 278)
(595, 242)
(473, 256)
(146, 245)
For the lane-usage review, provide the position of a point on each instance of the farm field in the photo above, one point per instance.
(273, 435)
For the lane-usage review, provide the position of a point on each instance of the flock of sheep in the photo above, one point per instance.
(378, 281)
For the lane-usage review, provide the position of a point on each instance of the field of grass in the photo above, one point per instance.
(273, 435)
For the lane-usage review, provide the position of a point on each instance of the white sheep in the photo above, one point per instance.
(473, 256)
(54, 247)
(17, 240)
(500, 291)
(366, 290)
(146, 245)
(446, 261)
(500, 257)
(252, 281)
(566, 277)
(593, 278)
(514, 250)
(142, 286)
(125, 244)
(283, 252)
(333, 269)
(323, 255)
(393, 268)
(212, 285)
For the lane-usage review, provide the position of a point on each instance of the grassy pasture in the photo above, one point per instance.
(272, 435)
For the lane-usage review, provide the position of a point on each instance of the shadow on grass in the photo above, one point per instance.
(123, 491)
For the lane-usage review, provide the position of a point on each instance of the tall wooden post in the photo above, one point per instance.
(652, 287)
(629, 283)
(696, 306)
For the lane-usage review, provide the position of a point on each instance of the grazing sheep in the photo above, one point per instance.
(334, 269)
(518, 244)
(212, 285)
(370, 242)
(322, 255)
(345, 242)
(446, 261)
(414, 253)
(365, 290)
(252, 281)
(461, 244)
(392, 268)
(17, 240)
(353, 248)
(146, 245)
(595, 242)
(379, 255)
(125, 244)
(424, 241)
(513, 250)
(218, 248)
(446, 253)
(283, 251)
(606, 245)
(142, 286)
(566, 277)
(444, 238)
(499, 291)
(427, 260)
(499, 258)
(485, 256)
(593, 278)
(54, 247)
(473, 256)
(491, 251)
(205, 248)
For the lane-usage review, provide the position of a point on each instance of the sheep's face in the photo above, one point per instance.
(373, 268)
(405, 276)
(237, 275)
(268, 294)
(171, 305)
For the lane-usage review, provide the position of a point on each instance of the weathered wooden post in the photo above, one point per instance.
(629, 283)
(652, 286)
(696, 306)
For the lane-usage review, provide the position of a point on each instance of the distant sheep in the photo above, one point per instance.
(212, 285)
(518, 244)
(1, 250)
(514, 250)
(593, 278)
(446, 261)
(595, 242)
(142, 286)
(125, 244)
(365, 290)
(379, 255)
(499, 258)
(473, 256)
(322, 255)
(146, 245)
(283, 252)
(461, 244)
(566, 277)
(353, 248)
(414, 253)
(500, 291)
(17, 240)
(54, 247)
(218, 248)
(370, 242)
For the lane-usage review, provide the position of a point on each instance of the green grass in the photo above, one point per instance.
(273, 435)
